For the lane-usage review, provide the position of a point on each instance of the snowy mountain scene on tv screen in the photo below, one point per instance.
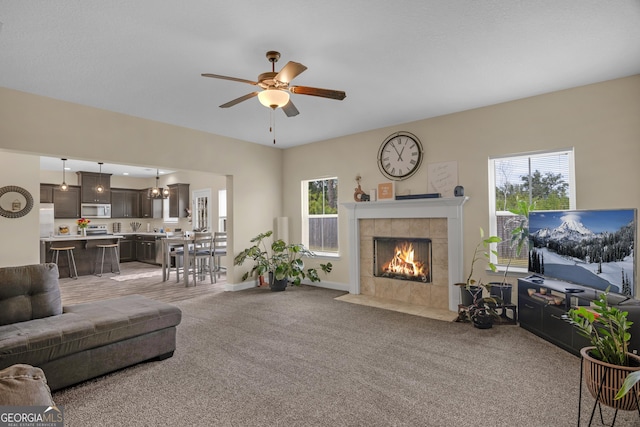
(594, 248)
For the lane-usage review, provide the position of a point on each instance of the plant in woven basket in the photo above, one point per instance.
(608, 362)
(606, 327)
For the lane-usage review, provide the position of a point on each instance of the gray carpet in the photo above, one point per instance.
(301, 358)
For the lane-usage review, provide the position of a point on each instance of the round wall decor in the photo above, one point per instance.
(400, 156)
(15, 201)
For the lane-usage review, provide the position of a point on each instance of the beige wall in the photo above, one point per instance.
(31, 124)
(20, 236)
(601, 121)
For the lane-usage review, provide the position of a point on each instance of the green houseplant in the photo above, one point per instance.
(481, 310)
(607, 362)
(283, 262)
(519, 235)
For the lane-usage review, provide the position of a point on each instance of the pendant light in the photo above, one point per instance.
(63, 186)
(157, 191)
(100, 188)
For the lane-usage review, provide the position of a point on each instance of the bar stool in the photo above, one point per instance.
(115, 258)
(71, 259)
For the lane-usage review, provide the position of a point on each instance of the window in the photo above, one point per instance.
(320, 216)
(165, 212)
(546, 179)
(222, 211)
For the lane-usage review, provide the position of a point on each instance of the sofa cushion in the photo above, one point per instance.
(29, 292)
(82, 327)
(24, 385)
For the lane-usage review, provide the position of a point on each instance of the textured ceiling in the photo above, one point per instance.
(397, 61)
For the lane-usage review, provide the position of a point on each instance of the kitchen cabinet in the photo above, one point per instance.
(127, 248)
(146, 249)
(178, 200)
(89, 181)
(149, 207)
(66, 203)
(125, 203)
(46, 193)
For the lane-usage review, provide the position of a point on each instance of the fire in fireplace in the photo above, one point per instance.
(402, 258)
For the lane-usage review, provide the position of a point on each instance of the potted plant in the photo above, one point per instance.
(283, 262)
(607, 362)
(519, 236)
(478, 309)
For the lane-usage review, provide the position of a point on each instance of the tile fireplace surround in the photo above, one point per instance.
(440, 220)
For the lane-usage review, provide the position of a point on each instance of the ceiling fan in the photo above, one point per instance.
(276, 87)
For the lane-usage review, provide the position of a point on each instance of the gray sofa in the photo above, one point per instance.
(78, 342)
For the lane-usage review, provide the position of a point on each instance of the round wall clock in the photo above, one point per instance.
(400, 156)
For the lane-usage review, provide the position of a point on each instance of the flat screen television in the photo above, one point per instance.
(593, 248)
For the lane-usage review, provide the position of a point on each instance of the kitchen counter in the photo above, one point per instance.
(85, 252)
(63, 238)
(141, 233)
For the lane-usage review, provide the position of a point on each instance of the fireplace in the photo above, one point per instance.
(402, 258)
(438, 220)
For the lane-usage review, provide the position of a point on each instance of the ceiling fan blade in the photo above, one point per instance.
(314, 91)
(289, 72)
(234, 79)
(290, 110)
(239, 100)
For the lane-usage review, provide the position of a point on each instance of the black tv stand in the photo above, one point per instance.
(543, 301)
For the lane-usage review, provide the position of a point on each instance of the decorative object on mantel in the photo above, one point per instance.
(386, 191)
(359, 195)
(442, 178)
(458, 191)
(418, 196)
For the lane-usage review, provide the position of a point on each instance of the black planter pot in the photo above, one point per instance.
(466, 295)
(277, 285)
(502, 291)
(482, 320)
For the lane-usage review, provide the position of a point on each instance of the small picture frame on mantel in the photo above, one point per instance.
(386, 191)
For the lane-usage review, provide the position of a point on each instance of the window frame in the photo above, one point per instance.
(305, 217)
(493, 213)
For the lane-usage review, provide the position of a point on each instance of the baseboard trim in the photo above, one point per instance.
(233, 287)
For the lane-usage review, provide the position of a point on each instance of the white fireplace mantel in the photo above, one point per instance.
(449, 208)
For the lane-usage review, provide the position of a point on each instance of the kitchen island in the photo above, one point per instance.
(85, 252)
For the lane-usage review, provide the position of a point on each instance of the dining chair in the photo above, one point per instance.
(175, 257)
(219, 250)
(201, 256)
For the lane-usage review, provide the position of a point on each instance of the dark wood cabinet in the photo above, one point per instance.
(127, 249)
(66, 203)
(178, 200)
(46, 193)
(125, 203)
(149, 207)
(146, 249)
(89, 181)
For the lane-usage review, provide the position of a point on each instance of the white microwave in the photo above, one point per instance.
(95, 210)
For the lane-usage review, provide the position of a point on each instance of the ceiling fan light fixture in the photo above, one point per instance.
(273, 98)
